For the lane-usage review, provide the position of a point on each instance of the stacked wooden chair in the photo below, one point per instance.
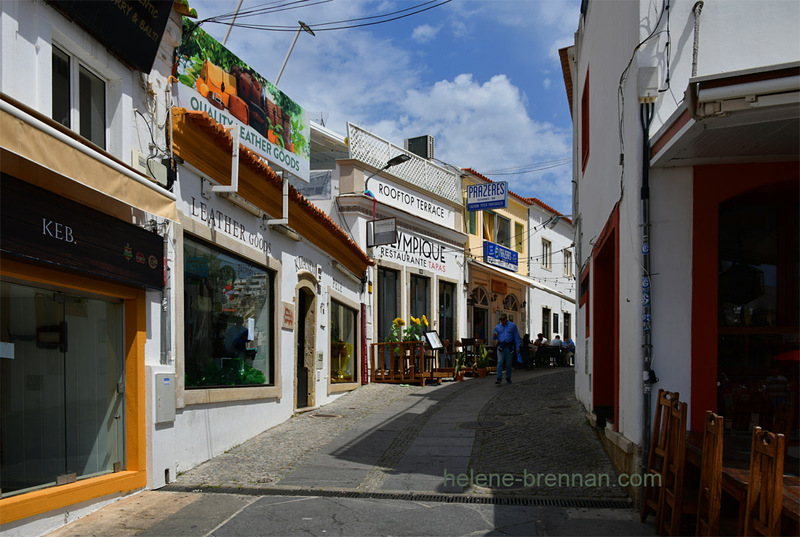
(709, 497)
(765, 484)
(674, 500)
(658, 450)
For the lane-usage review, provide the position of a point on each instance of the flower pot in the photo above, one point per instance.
(481, 372)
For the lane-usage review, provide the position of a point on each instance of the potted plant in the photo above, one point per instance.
(458, 371)
(481, 360)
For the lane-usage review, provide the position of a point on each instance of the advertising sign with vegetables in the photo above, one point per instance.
(214, 80)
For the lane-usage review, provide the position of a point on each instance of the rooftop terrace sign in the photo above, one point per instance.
(214, 80)
(487, 196)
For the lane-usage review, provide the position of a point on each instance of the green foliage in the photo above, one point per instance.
(483, 356)
(235, 372)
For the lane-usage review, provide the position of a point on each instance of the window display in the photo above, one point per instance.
(228, 305)
(343, 342)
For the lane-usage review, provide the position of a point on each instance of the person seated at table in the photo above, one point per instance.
(569, 351)
(557, 343)
(538, 347)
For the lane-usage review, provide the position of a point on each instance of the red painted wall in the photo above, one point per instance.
(713, 185)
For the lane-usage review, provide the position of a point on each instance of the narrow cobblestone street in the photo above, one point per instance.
(454, 459)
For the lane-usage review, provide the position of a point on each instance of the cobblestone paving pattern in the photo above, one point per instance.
(545, 432)
(269, 457)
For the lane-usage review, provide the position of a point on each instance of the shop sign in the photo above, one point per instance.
(416, 251)
(131, 29)
(49, 228)
(500, 256)
(214, 80)
(287, 320)
(487, 196)
(413, 202)
(219, 216)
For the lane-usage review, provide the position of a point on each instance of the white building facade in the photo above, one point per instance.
(708, 91)
(552, 271)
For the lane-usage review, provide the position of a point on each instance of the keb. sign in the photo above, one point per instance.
(487, 196)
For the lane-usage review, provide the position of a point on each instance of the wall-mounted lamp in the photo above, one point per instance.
(556, 218)
(494, 297)
(394, 161)
(524, 303)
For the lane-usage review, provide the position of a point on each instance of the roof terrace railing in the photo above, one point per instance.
(375, 151)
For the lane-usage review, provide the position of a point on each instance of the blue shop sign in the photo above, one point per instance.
(487, 196)
(502, 257)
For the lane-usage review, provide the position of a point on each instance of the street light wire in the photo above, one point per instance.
(324, 26)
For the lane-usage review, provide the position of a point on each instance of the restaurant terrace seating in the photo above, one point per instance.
(709, 497)
(673, 499)
(765, 484)
(658, 448)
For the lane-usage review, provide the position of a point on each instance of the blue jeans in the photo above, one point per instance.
(505, 356)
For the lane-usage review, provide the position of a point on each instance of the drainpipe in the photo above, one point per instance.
(697, 9)
(646, 111)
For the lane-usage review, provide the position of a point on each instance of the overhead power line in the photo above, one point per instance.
(535, 167)
(319, 26)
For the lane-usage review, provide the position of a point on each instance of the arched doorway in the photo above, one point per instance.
(305, 338)
(480, 313)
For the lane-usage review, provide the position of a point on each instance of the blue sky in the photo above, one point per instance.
(481, 76)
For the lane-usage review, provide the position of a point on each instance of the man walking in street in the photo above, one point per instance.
(508, 343)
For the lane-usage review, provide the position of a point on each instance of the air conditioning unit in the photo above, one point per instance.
(421, 145)
(154, 169)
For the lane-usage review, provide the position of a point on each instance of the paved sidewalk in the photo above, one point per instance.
(388, 459)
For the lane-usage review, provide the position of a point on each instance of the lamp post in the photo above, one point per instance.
(394, 161)
(306, 28)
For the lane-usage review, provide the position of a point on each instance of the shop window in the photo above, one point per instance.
(228, 312)
(584, 297)
(519, 237)
(488, 226)
(78, 97)
(547, 255)
(447, 311)
(419, 300)
(62, 378)
(567, 326)
(344, 352)
(555, 323)
(546, 322)
(758, 306)
(472, 222)
(497, 229)
(585, 123)
(567, 264)
(388, 306)
(510, 303)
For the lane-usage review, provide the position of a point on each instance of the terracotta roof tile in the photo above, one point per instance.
(252, 160)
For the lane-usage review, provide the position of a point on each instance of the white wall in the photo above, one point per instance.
(734, 35)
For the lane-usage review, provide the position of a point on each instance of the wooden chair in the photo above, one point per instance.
(765, 485)
(673, 500)
(782, 423)
(655, 459)
(709, 497)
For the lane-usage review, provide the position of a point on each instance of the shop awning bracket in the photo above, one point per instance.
(234, 186)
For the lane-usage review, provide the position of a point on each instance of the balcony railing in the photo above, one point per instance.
(376, 152)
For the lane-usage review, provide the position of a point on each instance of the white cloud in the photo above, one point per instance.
(485, 126)
(425, 33)
(546, 83)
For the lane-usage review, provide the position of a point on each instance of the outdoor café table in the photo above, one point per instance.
(734, 483)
